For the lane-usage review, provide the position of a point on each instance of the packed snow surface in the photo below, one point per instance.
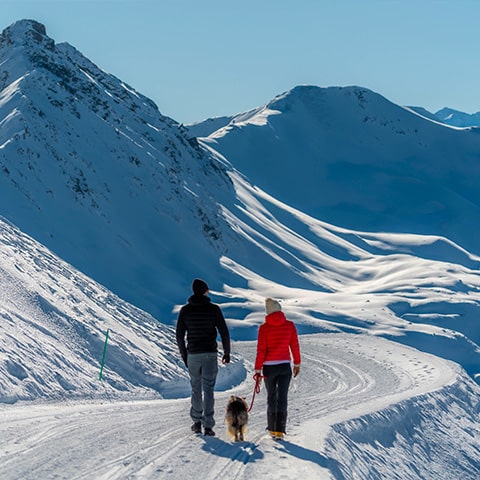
(362, 407)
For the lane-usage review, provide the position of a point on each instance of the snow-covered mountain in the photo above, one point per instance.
(456, 118)
(363, 407)
(352, 158)
(91, 169)
(423, 291)
(425, 113)
(207, 127)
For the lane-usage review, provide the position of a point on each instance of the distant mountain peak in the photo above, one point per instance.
(456, 118)
(314, 96)
(26, 33)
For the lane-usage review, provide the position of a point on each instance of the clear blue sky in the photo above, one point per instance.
(205, 58)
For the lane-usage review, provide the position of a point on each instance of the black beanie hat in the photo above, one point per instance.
(199, 287)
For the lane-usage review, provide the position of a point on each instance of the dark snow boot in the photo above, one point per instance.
(209, 432)
(197, 427)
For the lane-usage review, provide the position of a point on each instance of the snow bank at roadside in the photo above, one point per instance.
(432, 436)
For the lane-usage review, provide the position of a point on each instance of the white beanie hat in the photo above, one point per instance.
(272, 305)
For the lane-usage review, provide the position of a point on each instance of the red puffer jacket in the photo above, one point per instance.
(277, 341)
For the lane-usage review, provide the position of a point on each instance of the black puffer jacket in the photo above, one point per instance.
(201, 319)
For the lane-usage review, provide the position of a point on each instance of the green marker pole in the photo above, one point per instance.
(103, 356)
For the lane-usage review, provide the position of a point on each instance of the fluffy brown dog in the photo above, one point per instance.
(236, 418)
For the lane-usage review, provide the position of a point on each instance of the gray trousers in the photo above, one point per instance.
(203, 368)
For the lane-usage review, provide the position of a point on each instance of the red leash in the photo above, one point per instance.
(258, 380)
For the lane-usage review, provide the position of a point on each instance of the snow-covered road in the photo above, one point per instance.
(343, 377)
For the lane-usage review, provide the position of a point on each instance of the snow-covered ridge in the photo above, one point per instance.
(457, 118)
(91, 169)
(26, 33)
(205, 128)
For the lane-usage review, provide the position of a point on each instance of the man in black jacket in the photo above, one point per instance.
(201, 320)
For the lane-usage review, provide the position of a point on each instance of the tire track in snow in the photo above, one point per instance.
(137, 462)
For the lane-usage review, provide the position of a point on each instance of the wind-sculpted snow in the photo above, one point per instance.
(420, 290)
(362, 407)
(91, 169)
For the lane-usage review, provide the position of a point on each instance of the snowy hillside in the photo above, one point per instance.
(362, 407)
(420, 290)
(108, 210)
(352, 158)
(53, 327)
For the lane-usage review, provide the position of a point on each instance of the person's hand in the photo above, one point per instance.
(257, 376)
(226, 358)
(296, 370)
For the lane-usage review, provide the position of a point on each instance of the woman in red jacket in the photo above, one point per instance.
(277, 344)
